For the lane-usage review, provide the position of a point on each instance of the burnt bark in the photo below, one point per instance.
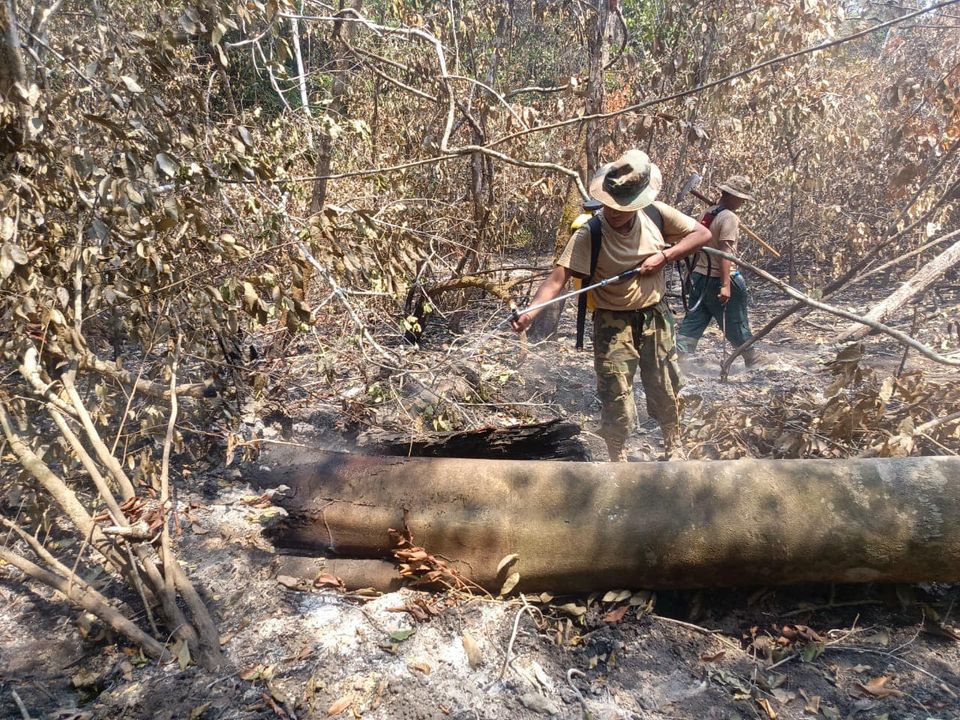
(551, 440)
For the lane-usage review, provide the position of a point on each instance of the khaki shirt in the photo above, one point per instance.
(620, 252)
(724, 231)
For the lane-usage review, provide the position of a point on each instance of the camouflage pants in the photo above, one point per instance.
(622, 342)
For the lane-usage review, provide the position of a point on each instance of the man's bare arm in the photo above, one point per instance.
(726, 270)
(550, 288)
(688, 245)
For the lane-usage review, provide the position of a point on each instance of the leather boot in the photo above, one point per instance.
(615, 451)
(751, 357)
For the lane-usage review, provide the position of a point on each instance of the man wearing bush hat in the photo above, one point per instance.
(718, 291)
(633, 327)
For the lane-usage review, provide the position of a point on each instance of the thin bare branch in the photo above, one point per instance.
(778, 60)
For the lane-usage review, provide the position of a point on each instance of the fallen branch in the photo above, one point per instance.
(902, 337)
(147, 387)
(922, 429)
(24, 713)
(917, 284)
(842, 281)
(902, 258)
(88, 599)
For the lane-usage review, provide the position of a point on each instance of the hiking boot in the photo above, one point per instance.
(751, 358)
(673, 445)
(616, 452)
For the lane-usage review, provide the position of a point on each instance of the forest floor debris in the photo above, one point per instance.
(298, 651)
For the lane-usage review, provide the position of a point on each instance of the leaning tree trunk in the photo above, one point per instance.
(923, 279)
(586, 526)
(548, 320)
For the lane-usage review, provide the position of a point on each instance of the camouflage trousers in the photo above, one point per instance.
(622, 342)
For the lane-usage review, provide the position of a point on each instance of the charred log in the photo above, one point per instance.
(551, 440)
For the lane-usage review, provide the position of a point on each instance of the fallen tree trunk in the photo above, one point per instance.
(921, 280)
(586, 526)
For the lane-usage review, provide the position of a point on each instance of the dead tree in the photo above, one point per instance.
(923, 279)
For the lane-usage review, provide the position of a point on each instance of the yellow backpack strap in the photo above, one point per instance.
(581, 220)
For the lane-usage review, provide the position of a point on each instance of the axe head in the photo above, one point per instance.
(692, 183)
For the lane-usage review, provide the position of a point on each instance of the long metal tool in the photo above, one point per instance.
(625, 275)
(690, 187)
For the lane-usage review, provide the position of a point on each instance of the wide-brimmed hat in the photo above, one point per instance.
(629, 183)
(738, 186)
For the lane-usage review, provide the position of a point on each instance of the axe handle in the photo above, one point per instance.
(700, 196)
(756, 237)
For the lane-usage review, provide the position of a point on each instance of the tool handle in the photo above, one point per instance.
(700, 196)
(756, 237)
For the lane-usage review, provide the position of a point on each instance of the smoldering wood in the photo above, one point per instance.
(584, 526)
(550, 440)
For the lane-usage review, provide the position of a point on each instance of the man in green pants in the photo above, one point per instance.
(717, 290)
(633, 327)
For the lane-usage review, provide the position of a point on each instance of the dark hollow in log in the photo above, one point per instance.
(585, 526)
(550, 440)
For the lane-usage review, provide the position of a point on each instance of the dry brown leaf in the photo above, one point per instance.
(470, 646)
(878, 687)
(251, 673)
(288, 581)
(420, 667)
(326, 580)
(783, 696)
(616, 615)
(507, 562)
(510, 583)
(572, 609)
(340, 705)
(712, 657)
(813, 705)
(830, 713)
(792, 633)
(767, 708)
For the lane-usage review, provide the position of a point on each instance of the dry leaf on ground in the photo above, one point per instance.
(878, 688)
(340, 705)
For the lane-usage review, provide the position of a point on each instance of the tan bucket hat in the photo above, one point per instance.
(629, 183)
(738, 186)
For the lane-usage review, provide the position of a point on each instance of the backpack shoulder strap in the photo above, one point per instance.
(653, 212)
(710, 215)
(596, 238)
